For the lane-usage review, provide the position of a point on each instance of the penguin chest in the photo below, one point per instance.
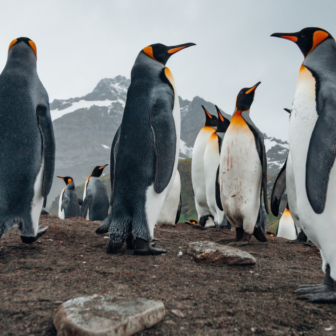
(286, 226)
(197, 168)
(240, 169)
(60, 210)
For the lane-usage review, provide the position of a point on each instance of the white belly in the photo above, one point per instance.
(84, 195)
(286, 226)
(38, 199)
(240, 178)
(197, 171)
(170, 206)
(319, 228)
(211, 162)
(154, 201)
(60, 211)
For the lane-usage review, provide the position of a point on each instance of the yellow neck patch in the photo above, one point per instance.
(238, 120)
(169, 76)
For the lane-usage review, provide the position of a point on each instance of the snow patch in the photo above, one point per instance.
(55, 114)
(106, 147)
(184, 149)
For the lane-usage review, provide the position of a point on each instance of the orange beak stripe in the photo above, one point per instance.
(221, 117)
(252, 89)
(33, 46)
(11, 44)
(208, 114)
(102, 167)
(291, 38)
(175, 50)
(61, 178)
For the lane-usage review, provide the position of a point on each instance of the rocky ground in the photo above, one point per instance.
(70, 260)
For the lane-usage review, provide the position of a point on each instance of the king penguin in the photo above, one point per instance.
(197, 169)
(27, 143)
(171, 210)
(68, 203)
(285, 181)
(145, 151)
(243, 171)
(286, 227)
(211, 162)
(95, 199)
(312, 138)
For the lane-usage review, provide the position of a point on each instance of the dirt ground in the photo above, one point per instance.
(216, 300)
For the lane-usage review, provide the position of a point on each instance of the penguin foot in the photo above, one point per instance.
(130, 243)
(321, 288)
(41, 231)
(309, 243)
(143, 247)
(115, 244)
(259, 234)
(301, 239)
(329, 297)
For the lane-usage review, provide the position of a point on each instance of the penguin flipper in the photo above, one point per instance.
(113, 157)
(86, 205)
(321, 154)
(260, 145)
(65, 202)
(178, 213)
(48, 141)
(162, 122)
(278, 189)
(218, 199)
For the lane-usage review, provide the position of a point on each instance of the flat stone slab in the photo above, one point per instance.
(211, 252)
(107, 316)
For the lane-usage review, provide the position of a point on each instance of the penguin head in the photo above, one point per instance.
(222, 123)
(66, 179)
(22, 46)
(97, 171)
(245, 98)
(161, 53)
(306, 39)
(210, 120)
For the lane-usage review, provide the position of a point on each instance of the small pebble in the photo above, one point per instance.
(49, 240)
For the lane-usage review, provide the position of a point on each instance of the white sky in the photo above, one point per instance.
(80, 42)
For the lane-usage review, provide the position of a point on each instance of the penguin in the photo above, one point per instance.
(211, 162)
(27, 144)
(286, 227)
(68, 203)
(95, 199)
(243, 171)
(171, 210)
(312, 138)
(145, 152)
(197, 169)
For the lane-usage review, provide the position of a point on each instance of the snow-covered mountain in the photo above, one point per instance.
(85, 127)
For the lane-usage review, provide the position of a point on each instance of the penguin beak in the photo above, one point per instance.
(219, 113)
(207, 113)
(102, 167)
(288, 110)
(252, 89)
(290, 36)
(174, 49)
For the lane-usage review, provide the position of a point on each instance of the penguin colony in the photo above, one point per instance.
(229, 166)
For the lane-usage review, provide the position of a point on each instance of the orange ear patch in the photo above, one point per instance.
(318, 37)
(148, 51)
(11, 44)
(33, 46)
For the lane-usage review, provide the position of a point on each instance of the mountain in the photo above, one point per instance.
(85, 126)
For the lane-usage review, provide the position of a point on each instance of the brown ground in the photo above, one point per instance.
(215, 300)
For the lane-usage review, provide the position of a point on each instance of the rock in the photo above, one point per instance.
(219, 254)
(177, 313)
(107, 315)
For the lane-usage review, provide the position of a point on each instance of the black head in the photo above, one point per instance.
(25, 40)
(222, 123)
(245, 98)
(307, 39)
(210, 120)
(66, 179)
(161, 53)
(97, 171)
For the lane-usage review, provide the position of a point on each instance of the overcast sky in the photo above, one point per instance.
(80, 42)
